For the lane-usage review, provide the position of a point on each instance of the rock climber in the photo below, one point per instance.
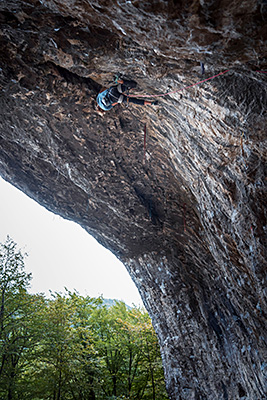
(108, 98)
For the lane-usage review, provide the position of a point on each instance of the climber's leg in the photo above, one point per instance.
(140, 102)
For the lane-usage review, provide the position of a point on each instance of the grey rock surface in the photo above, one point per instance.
(185, 210)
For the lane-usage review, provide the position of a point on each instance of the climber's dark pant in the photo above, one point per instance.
(116, 94)
(127, 99)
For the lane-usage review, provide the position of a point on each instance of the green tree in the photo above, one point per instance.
(71, 347)
(129, 356)
(16, 309)
(143, 372)
(65, 359)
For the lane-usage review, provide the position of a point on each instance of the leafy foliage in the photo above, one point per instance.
(71, 347)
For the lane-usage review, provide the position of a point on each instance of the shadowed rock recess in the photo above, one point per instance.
(184, 209)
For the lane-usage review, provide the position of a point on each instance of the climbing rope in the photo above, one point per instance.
(184, 88)
(176, 91)
(184, 207)
(179, 90)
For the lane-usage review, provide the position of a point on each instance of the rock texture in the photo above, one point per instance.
(187, 216)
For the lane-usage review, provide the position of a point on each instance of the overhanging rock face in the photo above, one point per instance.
(187, 216)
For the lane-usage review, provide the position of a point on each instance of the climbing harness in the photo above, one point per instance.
(104, 99)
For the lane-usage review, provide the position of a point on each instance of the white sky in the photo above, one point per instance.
(60, 253)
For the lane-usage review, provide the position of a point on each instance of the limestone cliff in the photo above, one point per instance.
(183, 209)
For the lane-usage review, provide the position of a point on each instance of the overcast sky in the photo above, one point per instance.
(60, 253)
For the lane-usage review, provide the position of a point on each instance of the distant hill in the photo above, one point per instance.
(112, 302)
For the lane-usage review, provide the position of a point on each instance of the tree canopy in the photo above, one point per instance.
(70, 347)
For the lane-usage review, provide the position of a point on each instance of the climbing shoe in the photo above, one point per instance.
(151, 103)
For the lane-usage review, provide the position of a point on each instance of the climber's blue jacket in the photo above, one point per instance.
(103, 100)
(108, 98)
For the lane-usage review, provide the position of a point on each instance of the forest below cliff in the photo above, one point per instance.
(70, 346)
